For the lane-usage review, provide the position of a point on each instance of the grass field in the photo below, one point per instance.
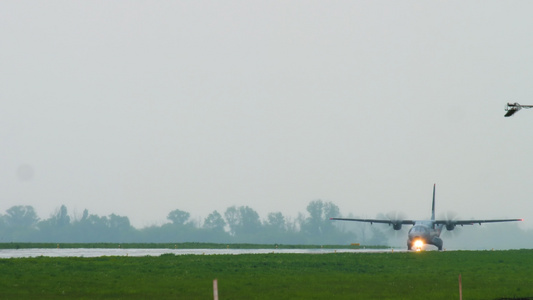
(423, 275)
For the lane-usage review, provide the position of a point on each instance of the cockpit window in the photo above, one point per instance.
(418, 229)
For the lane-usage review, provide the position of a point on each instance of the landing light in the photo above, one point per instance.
(418, 245)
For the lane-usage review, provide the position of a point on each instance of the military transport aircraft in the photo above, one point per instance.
(426, 231)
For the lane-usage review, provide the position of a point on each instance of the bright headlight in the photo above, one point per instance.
(418, 244)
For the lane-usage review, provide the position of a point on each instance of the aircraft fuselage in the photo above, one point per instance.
(425, 231)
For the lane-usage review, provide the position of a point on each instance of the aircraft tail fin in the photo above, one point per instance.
(433, 205)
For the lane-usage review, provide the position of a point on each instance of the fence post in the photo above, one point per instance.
(215, 289)
(460, 288)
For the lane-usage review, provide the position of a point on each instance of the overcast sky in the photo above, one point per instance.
(139, 107)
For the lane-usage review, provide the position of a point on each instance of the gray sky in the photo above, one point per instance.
(140, 107)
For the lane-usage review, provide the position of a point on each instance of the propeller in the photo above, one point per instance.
(396, 218)
(451, 228)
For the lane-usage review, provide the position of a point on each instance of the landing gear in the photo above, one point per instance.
(438, 242)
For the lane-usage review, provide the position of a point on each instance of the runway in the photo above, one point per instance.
(95, 252)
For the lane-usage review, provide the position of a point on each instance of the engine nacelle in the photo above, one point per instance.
(450, 227)
(397, 226)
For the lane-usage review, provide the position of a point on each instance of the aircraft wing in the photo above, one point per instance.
(390, 222)
(511, 112)
(472, 222)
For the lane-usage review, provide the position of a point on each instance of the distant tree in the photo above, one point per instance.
(276, 230)
(378, 236)
(243, 220)
(61, 218)
(233, 218)
(118, 222)
(315, 223)
(215, 222)
(319, 228)
(178, 217)
(96, 228)
(85, 215)
(57, 228)
(250, 224)
(276, 221)
(19, 224)
(93, 229)
(4, 230)
(120, 228)
(21, 216)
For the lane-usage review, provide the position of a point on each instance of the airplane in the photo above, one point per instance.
(426, 231)
(512, 108)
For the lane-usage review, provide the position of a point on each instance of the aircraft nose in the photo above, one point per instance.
(415, 237)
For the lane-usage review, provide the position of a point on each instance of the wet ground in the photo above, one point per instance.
(81, 252)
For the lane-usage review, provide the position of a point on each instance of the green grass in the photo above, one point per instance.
(424, 275)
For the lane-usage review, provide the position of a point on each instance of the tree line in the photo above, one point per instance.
(237, 224)
(241, 224)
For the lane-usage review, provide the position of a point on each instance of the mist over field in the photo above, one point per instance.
(114, 114)
(243, 225)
